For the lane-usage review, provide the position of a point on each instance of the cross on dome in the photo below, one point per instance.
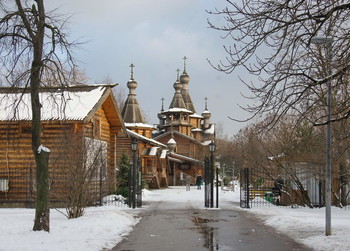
(132, 70)
(184, 58)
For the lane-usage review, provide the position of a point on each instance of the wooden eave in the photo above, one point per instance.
(180, 134)
(107, 102)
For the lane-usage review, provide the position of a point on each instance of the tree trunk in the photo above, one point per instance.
(42, 212)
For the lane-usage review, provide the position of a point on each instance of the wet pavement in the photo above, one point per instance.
(169, 229)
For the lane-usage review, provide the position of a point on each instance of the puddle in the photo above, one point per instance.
(209, 232)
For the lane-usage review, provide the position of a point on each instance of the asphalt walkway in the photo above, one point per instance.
(186, 228)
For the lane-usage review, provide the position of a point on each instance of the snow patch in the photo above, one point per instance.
(43, 148)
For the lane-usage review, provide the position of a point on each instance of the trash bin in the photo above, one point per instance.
(268, 196)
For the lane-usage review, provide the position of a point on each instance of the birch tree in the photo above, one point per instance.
(32, 45)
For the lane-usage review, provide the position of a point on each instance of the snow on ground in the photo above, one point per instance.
(103, 227)
(100, 227)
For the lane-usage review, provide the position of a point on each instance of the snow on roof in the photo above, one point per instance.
(177, 110)
(163, 154)
(62, 105)
(210, 130)
(171, 141)
(136, 135)
(206, 143)
(139, 125)
(196, 130)
(153, 151)
(195, 115)
(183, 157)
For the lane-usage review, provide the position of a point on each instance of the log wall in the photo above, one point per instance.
(65, 141)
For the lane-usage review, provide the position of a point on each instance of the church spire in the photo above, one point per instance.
(177, 101)
(131, 112)
(185, 92)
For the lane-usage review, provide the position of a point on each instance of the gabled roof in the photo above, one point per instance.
(143, 138)
(58, 103)
(177, 133)
(184, 158)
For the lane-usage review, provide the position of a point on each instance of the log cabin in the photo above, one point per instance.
(79, 126)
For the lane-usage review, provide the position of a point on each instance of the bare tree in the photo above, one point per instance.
(80, 172)
(284, 151)
(33, 44)
(272, 40)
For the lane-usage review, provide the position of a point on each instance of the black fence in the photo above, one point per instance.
(268, 187)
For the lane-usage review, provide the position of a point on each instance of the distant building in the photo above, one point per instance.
(189, 132)
(177, 145)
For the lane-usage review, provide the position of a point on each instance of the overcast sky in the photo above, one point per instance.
(155, 35)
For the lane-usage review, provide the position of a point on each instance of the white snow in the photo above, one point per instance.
(59, 105)
(153, 151)
(141, 137)
(104, 227)
(195, 115)
(171, 141)
(43, 148)
(210, 130)
(175, 109)
(138, 125)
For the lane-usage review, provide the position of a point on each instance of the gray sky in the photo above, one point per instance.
(155, 35)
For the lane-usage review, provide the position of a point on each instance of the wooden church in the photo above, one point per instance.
(189, 132)
(176, 147)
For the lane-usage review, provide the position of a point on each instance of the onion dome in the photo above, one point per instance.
(171, 145)
(132, 112)
(177, 101)
(206, 114)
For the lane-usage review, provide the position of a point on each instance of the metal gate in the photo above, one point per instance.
(271, 187)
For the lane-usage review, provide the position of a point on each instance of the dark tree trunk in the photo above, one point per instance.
(42, 212)
(37, 33)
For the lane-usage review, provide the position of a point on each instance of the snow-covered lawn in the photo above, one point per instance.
(100, 227)
(104, 227)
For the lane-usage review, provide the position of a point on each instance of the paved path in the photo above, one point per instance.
(191, 229)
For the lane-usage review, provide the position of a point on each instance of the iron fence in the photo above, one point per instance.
(267, 187)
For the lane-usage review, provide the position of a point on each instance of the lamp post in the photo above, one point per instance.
(212, 147)
(134, 147)
(217, 186)
(327, 41)
(139, 182)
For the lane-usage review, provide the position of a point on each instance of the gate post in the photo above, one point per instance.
(246, 171)
(206, 181)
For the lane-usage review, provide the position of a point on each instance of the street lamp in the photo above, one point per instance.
(217, 186)
(212, 147)
(134, 147)
(327, 41)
